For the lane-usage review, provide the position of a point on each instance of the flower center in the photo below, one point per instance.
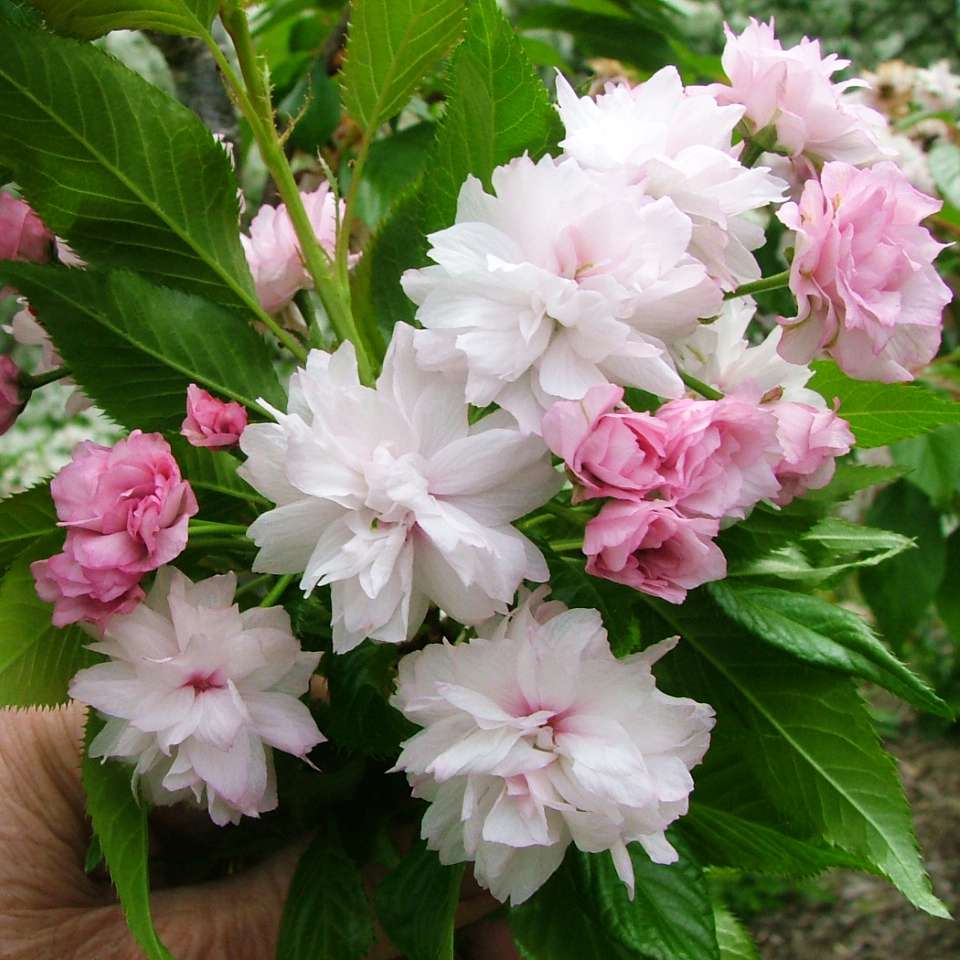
(201, 682)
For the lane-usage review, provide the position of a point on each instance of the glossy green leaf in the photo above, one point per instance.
(213, 476)
(948, 597)
(881, 413)
(497, 108)
(127, 175)
(24, 518)
(395, 164)
(326, 916)
(735, 942)
(396, 246)
(93, 18)
(900, 592)
(417, 904)
(37, 660)
(584, 912)
(119, 821)
(725, 839)
(391, 45)
(135, 347)
(825, 635)
(826, 549)
(807, 740)
(934, 463)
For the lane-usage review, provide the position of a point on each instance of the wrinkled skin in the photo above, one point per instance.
(51, 910)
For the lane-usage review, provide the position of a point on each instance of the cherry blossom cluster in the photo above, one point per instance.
(621, 264)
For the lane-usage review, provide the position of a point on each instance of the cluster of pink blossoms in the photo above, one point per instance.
(575, 277)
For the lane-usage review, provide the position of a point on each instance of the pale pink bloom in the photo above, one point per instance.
(211, 422)
(392, 498)
(561, 280)
(611, 452)
(273, 251)
(197, 694)
(720, 456)
(650, 546)
(10, 400)
(721, 355)
(126, 509)
(868, 293)
(792, 91)
(23, 235)
(536, 736)
(677, 145)
(811, 440)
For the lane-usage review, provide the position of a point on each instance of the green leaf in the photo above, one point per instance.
(127, 175)
(497, 108)
(37, 660)
(560, 922)
(723, 838)
(670, 916)
(120, 824)
(314, 104)
(394, 165)
(584, 912)
(24, 518)
(851, 478)
(735, 942)
(880, 413)
(944, 163)
(806, 738)
(135, 347)
(948, 597)
(825, 635)
(602, 35)
(93, 18)
(326, 916)
(934, 462)
(213, 476)
(396, 246)
(901, 591)
(828, 548)
(391, 45)
(360, 718)
(417, 904)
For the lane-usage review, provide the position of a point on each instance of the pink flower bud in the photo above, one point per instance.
(23, 235)
(11, 402)
(811, 441)
(647, 545)
(211, 422)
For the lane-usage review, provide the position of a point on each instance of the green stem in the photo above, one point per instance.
(210, 526)
(235, 86)
(253, 584)
(278, 590)
(563, 546)
(42, 379)
(333, 292)
(704, 389)
(774, 282)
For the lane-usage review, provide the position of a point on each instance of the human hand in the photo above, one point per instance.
(50, 909)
